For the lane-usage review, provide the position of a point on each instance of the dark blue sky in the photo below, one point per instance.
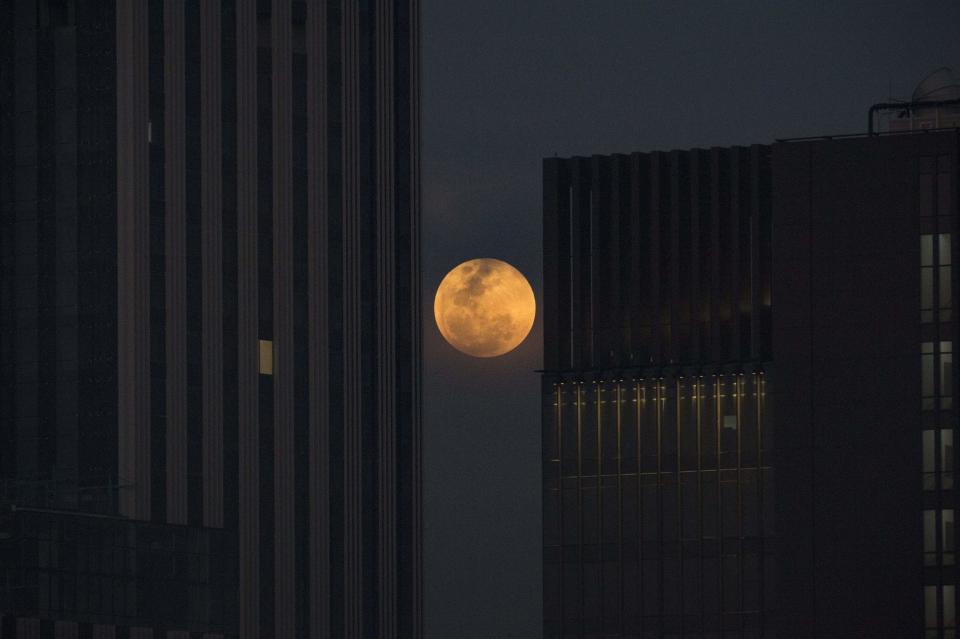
(506, 83)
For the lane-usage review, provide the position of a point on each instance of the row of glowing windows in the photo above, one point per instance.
(639, 390)
(633, 400)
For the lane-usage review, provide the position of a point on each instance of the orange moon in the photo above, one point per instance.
(484, 307)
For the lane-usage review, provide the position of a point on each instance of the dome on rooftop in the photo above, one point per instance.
(942, 84)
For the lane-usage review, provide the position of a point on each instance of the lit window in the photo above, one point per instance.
(266, 357)
(730, 422)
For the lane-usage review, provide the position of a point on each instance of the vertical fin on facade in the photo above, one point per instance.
(283, 309)
(386, 319)
(247, 320)
(352, 347)
(133, 259)
(211, 233)
(175, 262)
(318, 323)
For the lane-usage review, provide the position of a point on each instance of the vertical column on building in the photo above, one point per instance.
(352, 347)
(211, 231)
(283, 473)
(416, 461)
(386, 319)
(556, 265)
(133, 259)
(175, 262)
(318, 304)
(247, 321)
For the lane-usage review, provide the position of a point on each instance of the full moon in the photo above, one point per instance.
(484, 307)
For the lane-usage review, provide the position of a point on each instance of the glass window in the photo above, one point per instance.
(944, 193)
(930, 606)
(945, 292)
(926, 294)
(949, 607)
(946, 533)
(945, 285)
(946, 458)
(926, 375)
(926, 250)
(266, 357)
(930, 537)
(925, 195)
(936, 280)
(946, 374)
(929, 469)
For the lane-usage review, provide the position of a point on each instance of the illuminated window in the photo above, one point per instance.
(266, 357)
(730, 422)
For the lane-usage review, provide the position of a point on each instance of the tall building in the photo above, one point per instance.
(657, 335)
(209, 297)
(748, 420)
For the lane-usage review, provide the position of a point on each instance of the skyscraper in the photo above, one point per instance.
(748, 420)
(656, 335)
(210, 308)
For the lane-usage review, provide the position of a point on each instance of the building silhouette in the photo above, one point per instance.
(210, 340)
(748, 416)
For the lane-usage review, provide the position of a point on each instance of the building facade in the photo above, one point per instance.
(657, 335)
(863, 338)
(747, 398)
(210, 308)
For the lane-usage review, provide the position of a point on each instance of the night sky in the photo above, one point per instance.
(506, 83)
